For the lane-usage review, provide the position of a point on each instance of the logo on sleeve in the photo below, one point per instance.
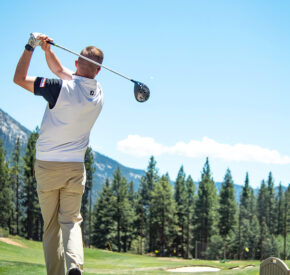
(42, 82)
(92, 93)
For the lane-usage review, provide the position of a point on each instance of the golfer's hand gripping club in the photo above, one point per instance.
(33, 41)
(141, 91)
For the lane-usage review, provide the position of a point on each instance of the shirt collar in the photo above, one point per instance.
(88, 81)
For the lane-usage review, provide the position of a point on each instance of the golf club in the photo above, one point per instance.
(141, 91)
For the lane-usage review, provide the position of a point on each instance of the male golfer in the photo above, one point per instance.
(74, 103)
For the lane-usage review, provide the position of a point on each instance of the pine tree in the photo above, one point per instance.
(16, 182)
(280, 198)
(180, 197)
(33, 223)
(6, 205)
(124, 212)
(227, 210)
(86, 207)
(162, 210)
(132, 198)
(206, 214)
(139, 222)
(262, 205)
(247, 220)
(127, 221)
(253, 239)
(247, 201)
(189, 210)
(271, 213)
(104, 232)
(147, 183)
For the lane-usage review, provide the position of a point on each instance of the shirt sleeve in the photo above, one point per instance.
(48, 88)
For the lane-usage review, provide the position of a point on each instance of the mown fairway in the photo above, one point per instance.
(29, 260)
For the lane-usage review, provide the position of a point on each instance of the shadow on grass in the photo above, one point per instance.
(20, 268)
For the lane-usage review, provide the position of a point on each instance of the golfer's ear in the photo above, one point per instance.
(76, 64)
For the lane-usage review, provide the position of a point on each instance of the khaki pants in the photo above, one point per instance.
(60, 186)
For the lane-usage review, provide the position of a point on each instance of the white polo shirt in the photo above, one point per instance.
(74, 105)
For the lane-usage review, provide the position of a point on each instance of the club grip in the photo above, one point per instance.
(51, 43)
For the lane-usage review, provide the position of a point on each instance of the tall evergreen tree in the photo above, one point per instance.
(105, 229)
(6, 205)
(271, 209)
(180, 197)
(33, 223)
(253, 240)
(140, 222)
(147, 183)
(162, 210)
(189, 210)
(247, 201)
(280, 198)
(247, 220)
(86, 207)
(128, 219)
(266, 207)
(262, 205)
(227, 209)
(133, 230)
(227, 206)
(206, 210)
(124, 212)
(16, 181)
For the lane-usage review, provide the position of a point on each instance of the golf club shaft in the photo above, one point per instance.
(88, 59)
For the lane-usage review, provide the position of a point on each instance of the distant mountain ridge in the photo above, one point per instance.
(10, 130)
(105, 167)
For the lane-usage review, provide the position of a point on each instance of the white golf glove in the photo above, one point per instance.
(33, 41)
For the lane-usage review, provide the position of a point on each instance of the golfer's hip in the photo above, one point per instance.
(51, 175)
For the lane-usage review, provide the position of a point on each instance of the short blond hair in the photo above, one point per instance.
(85, 66)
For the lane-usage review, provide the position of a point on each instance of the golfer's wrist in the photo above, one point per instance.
(29, 48)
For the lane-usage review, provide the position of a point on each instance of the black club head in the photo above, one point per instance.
(141, 91)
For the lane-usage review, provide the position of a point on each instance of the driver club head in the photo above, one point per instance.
(141, 91)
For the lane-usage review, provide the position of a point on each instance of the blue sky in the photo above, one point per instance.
(218, 72)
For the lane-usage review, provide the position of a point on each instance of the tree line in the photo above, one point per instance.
(181, 219)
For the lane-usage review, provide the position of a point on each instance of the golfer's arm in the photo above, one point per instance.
(56, 67)
(20, 76)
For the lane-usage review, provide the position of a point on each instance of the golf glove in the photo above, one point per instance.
(33, 41)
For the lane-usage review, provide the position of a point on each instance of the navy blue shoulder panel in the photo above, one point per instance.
(48, 88)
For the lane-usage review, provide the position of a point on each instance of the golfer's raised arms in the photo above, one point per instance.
(53, 62)
(28, 82)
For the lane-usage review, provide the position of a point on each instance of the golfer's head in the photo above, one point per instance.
(86, 68)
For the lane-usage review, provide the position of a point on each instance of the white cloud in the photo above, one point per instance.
(146, 146)
(141, 146)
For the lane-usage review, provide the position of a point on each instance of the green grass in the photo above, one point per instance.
(29, 260)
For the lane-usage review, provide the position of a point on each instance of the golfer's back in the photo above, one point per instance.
(65, 129)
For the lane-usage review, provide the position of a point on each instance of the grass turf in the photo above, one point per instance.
(29, 260)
